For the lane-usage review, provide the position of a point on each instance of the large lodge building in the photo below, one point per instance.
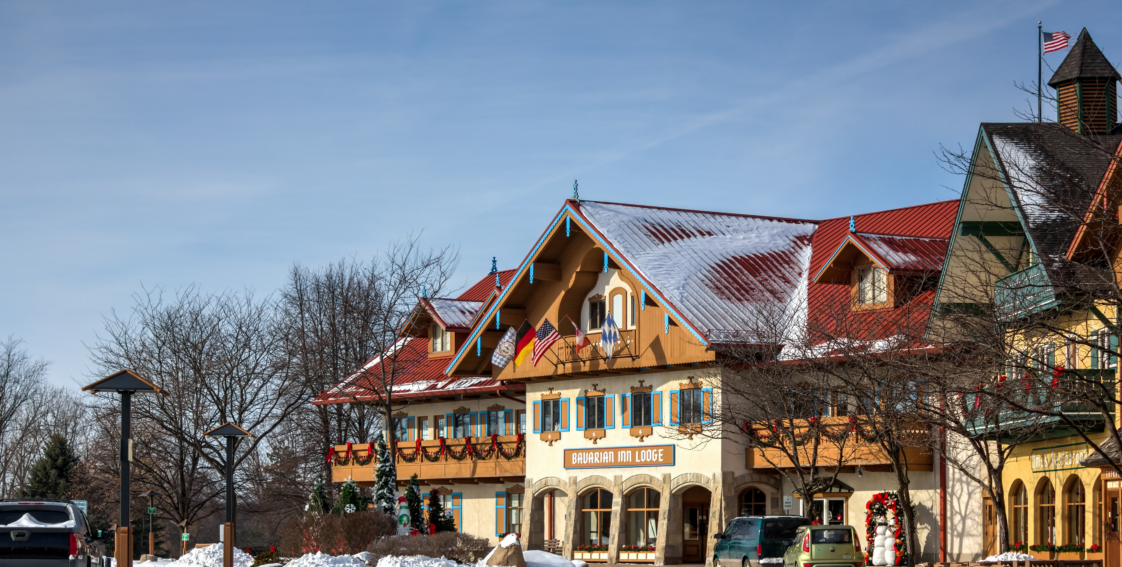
(590, 448)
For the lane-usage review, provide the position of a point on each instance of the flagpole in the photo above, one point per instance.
(1039, 66)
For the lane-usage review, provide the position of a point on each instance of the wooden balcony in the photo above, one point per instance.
(451, 465)
(854, 451)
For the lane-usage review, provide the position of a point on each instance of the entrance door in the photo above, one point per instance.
(695, 525)
(990, 534)
(1113, 505)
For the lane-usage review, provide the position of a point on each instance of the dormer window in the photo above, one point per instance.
(872, 286)
(441, 339)
(597, 310)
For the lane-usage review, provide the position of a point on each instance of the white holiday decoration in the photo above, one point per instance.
(878, 547)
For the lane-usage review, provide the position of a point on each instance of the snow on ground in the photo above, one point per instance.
(1009, 556)
(547, 559)
(414, 561)
(211, 556)
(320, 559)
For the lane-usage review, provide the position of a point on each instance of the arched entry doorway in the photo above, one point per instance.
(695, 524)
(547, 519)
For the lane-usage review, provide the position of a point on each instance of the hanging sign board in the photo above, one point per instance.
(607, 457)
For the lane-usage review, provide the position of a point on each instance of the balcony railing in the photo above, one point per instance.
(842, 441)
(498, 457)
(1023, 293)
(1066, 400)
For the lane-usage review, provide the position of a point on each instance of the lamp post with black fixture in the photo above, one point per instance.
(125, 383)
(231, 432)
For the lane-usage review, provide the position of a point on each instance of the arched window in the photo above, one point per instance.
(1075, 511)
(642, 517)
(596, 517)
(1045, 513)
(753, 502)
(1020, 514)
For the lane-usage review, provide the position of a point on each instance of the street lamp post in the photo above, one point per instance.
(125, 383)
(230, 431)
(151, 531)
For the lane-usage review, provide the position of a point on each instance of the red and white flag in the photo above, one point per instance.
(1055, 41)
(581, 339)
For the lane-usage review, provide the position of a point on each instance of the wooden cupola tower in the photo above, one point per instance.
(1086, 89)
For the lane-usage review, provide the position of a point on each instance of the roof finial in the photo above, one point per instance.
(852, 224)
(424, 292)
(576, 193)
(495, 270)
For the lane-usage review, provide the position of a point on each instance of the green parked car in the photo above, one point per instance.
(824, 546)
(747, 540)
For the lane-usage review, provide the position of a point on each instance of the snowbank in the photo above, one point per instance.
(1008, 556)
(211, 556)
(546, 559)
(28, 521)
(414, 561)
(320, 559)
(771, 561)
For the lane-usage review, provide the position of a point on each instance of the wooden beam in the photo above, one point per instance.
(547, 272)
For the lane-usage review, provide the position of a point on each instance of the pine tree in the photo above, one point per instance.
(385, 481)
(348, 496)
(416, 507)
(318, 502)
(440, 520)
(51, 475)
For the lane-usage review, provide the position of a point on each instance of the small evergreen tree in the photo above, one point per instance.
(318, 502)
(440, 520)
(385, 481)
(348, 496)
(416, 507)
(51, 475)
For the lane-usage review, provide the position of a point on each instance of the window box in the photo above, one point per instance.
(636, 556)
(1070, 556)
(591, 555)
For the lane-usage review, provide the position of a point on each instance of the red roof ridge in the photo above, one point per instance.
(764, 217)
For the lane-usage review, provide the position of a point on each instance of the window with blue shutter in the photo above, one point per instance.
(581, 417)
(625, 410)
(537, 417)
(675, 410)
(500, 513)
(707, 405)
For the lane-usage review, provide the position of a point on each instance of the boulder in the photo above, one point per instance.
(507, 554)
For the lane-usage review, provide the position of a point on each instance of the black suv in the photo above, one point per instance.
(47, 533)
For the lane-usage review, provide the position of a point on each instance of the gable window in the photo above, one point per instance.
(597, 309)
(441, 339)
(551, 415)
(594, 412)
(690, 404)
(872, 286)
(640, 409)
(617, 310)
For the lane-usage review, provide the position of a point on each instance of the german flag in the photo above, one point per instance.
(524, 343)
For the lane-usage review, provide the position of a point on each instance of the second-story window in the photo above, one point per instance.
(1104, 353)
(594, 417)
(597, 309)
(461, 425)
(872, 286)
(640, 409)
(495, 423)
(441, 339)
(551, 415)
(690, 406)
(401, 428)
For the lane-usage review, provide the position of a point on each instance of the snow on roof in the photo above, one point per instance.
(454, 313)
(722, 271)
(907, 253)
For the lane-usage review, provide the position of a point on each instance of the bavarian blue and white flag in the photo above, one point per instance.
(504, 352)
(609, 336)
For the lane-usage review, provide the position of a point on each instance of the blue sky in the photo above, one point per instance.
(170, 144)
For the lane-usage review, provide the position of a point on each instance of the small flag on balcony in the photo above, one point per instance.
(523, 343)
(547, 335)
(609, 336)
(504, 351)
(580, 340)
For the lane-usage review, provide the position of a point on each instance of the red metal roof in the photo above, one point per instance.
(483, 288)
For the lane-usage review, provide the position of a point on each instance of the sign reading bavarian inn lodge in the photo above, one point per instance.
(650, 456)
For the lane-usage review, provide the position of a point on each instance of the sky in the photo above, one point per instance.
(160, 144)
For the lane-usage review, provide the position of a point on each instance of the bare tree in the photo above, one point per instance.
(21, 383)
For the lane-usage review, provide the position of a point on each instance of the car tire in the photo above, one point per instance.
(746, 562)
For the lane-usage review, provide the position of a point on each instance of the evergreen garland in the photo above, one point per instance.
(51, 475)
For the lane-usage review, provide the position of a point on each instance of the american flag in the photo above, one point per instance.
(1055, 41)
(547, 335)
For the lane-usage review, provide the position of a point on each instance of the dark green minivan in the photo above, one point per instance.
(747, 540)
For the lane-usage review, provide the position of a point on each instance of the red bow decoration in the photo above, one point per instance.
(494, 440)
(348, 455)
(330, 454)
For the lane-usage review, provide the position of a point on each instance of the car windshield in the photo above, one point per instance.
(46, 516)
(783, 528)
(831, 536)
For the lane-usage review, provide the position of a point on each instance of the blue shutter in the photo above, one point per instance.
(500, 513)
(537, 418)
(457, 510)
(707, 412)
(625, 411)
(411, 426)
(675, 406)
(582, 419)
(564, 405)
(1113, 350)
(609, 411)
(656, 402)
